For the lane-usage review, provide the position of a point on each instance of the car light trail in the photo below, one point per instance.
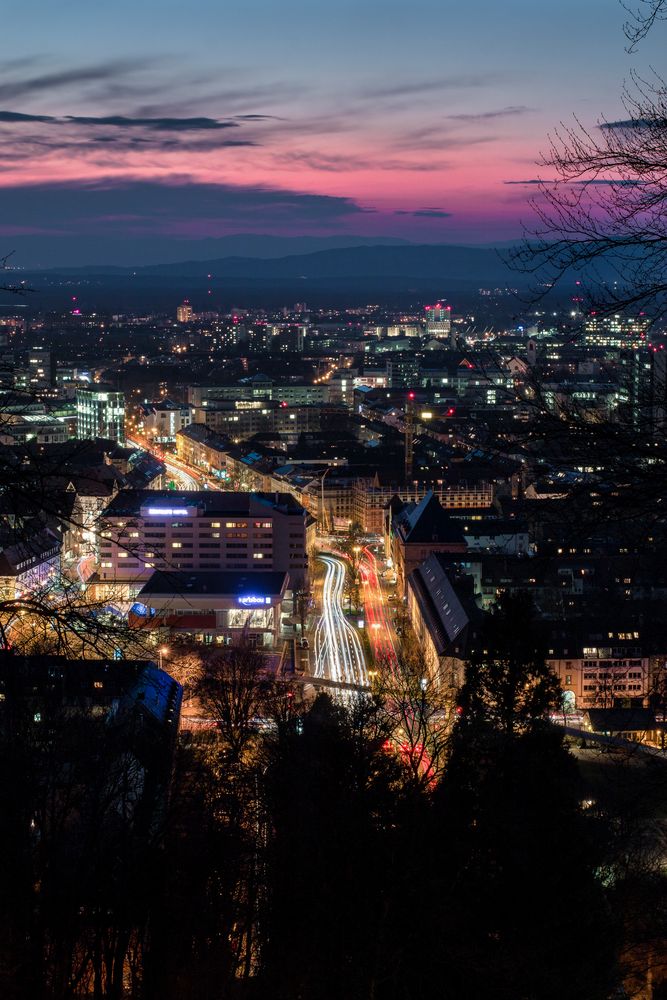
(189, 482)
(338, 652)
(380, 631)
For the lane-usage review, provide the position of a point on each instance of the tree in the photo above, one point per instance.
(344, 860)
(512, 832)
(603, 218)
(301, 602)
(508, 686)
(642, 19)
(233, 690)
(418, 713)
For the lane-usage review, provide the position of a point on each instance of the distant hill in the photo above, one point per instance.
(420, 262)
(107, 252)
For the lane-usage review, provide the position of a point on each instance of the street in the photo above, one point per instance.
(338, 652)
(380, 628)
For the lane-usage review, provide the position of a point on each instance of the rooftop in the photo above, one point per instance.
(219, 582)
(128, 503)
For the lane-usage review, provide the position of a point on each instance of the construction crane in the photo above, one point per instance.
(409, 424)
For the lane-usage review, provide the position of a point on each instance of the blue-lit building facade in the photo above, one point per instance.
(214, 607)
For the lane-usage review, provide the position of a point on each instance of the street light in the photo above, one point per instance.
(324, 520)
(162, 651)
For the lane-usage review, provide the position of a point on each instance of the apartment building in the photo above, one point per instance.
(604, 668)
(371, 500)
(199, 446)
(147, 530)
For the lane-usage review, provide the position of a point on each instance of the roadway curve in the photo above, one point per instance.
(177, 469)
(338, 652)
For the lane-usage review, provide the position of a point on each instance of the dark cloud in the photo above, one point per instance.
(609, 182)
(124, 121)
(16, 118)
(120, 208)
(425, 213)
(592, 182)
(30, 85)
(157, 124)
(258, 118)
(511, 111)
(633, 123)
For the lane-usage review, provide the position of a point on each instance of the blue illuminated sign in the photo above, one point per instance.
(252, 601)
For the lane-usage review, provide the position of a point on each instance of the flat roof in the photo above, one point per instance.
(129, 502)
(241, 583)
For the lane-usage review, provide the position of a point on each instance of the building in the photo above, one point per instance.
(415, 530)
(163, 420)
(184, 312)
(40, 428)
(438, 320)
(35, 370)
(602, 668)
(372, 498)
(241, 419)
(642, 393)
(199, 446)
(615, 331)
(27, 563)
(214, 606)
(147, 530)
(439, 620)
(508, 537)
(100, 413)
(403, 371)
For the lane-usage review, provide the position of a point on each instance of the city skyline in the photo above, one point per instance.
(420, 124)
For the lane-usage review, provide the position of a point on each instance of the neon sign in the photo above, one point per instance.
(167, 511)
(251, 601)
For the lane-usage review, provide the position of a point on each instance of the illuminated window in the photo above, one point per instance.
(122, 555)
(258, 555)
(176, 545)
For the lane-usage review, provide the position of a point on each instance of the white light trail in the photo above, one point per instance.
(338, 652)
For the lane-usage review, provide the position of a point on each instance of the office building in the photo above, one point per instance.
(100, 413)
(147, 530)
(184, 312)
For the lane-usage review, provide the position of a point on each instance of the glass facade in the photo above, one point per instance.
(100, 414)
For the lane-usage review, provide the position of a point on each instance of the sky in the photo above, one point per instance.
(151, 120)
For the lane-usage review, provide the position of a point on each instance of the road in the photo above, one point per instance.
(380, 628)
(338, 652)
(187, 480)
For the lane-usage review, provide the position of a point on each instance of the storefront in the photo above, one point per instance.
(214, 607)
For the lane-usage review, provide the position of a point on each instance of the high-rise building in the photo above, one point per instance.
(438, 320)
(34, 370)
(615, 331)
(100, 413)
(184, 312)
(643, 387)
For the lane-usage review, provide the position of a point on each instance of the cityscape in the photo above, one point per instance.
(333, 645)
